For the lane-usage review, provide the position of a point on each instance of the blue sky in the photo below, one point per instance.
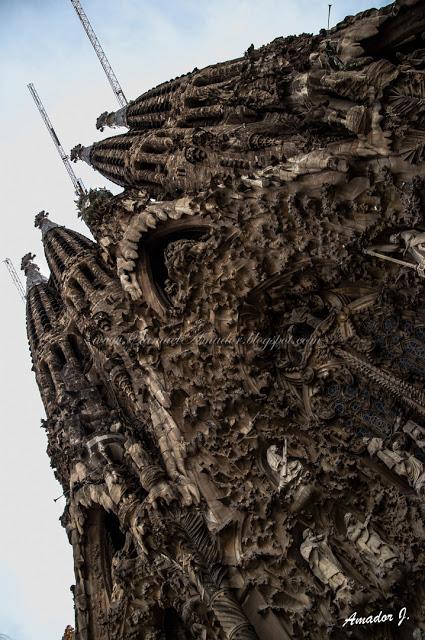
(42, 41)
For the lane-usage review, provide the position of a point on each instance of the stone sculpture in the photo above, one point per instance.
(235, 299)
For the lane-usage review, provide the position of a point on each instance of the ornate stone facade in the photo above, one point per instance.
(233, 372)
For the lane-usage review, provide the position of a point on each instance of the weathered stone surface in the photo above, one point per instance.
(233, 372)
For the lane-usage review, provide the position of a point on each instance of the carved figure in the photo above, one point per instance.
(400, 462)
(287, 470)
(370, 544)
(315, 550)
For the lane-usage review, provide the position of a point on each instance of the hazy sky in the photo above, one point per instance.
(42, 41)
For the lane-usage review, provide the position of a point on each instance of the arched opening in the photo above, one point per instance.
(76, 285)
(47, 379)
(59, 356)
(102, 539)
(80, 352)
(152, 269)
(115, 536)
(88, 273)
(40, 310)
(77, 348)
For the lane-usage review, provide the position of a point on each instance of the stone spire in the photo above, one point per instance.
(81, 153)
(42, 221)
(112, 119)
(32, 271)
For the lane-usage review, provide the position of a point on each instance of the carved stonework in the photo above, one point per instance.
(233, 372)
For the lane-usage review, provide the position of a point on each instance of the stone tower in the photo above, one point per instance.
(233, 371)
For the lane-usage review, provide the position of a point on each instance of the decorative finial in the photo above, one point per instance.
(80, 153)
(31, 270)
(101, 122)
(112, 119)
(42, 221)
(39, 218)
(27, 261)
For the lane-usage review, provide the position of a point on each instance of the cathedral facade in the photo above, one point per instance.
(232, 371)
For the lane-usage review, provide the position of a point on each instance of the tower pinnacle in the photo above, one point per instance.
(42, 221)
(79, 152)
(32, 271)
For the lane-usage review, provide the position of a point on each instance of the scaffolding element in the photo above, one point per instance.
(15, 278)
(79, 187)
(113, 81)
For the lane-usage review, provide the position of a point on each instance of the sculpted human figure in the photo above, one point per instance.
(414, 244)
(411, 242)
(402, 463)
(323, 563)
(287, 470)
(370, 544)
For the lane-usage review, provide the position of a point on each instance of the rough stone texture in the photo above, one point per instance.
(233, 372)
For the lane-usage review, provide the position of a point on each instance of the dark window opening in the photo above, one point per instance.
(66, 247)
(31, 325)
(151, 123)
(118, 145)
(76, 348)
(54, 261)
(153, 107)
(114, 533)
(103, 268)
(59, 355)
(154, 146)
(156, 264)
(200, 120)
(77, 240)
(146, 166)
(45, 372)
(103, 539)
(88, 273)
(41, 310)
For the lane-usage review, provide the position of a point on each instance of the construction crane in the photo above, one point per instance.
(113, 81)
(15, 278)
(79, 187)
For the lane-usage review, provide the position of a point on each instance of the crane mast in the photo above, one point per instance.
(15, 278)
(78, 184)
(113, 81)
